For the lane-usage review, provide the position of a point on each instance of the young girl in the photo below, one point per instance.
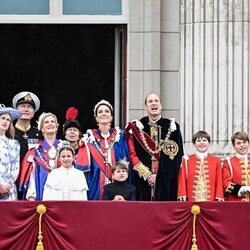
(66, 182)
(9, 154)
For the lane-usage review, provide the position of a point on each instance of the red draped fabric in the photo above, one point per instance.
(125, 225)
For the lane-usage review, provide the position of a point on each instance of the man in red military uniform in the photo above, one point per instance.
(236, 170)
(200, 176)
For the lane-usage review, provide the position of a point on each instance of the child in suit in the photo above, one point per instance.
(200, 176)
(119, 189)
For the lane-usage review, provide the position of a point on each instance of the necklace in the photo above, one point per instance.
(161, 144)
(96, 140)
(23, 129)
(106, 150)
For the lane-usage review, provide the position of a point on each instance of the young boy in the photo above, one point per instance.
(200, 176)
(236, 170)
(119, 190)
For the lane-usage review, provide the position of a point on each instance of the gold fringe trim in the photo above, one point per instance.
(143, 171)
(41, 209)
(195, 210)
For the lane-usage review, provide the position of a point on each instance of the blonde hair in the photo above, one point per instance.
(42, 118)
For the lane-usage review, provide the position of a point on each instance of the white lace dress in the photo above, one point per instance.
(9, 165)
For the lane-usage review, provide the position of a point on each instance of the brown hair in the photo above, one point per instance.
(241, 136)
(67, 148)
(10, 132)
(146, 98)
(118, 165)
(201, 134)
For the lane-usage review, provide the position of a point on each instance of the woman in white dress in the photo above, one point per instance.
(66, 182)
(9, 154)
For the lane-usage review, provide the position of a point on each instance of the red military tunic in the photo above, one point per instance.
(200, 180)
(236, 174)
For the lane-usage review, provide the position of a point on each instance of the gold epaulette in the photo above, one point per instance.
(143, 171)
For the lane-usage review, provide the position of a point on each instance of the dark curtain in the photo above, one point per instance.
(64, 64)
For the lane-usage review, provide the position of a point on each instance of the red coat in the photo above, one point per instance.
(200, 183)
(234, 176)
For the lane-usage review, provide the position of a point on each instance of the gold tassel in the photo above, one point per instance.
(195, 211)
(41, 209)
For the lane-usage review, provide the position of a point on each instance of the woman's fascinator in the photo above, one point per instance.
(15, 114)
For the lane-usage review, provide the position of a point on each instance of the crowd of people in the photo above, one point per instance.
(143, 162)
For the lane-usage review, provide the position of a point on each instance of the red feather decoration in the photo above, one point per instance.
(71, 113)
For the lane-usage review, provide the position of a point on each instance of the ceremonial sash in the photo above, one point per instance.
(83, 159)
(99, 159)
(137, 133)
(43, 164)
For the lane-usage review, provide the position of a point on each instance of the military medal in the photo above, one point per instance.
(25, 136)
(52, 153)
(170, 148)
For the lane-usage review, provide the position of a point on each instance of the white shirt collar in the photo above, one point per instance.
(201, 155)
(105, 136)
(153, 121)
(245, 156)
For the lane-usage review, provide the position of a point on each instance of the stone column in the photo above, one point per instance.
(214, 70)
(154, 55)
(144, 53)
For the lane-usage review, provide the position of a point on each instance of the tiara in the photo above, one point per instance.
(64, 144)
(102, 102)
(124, 162)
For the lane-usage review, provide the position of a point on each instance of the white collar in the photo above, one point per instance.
(201, 155)
(154, 121)
(239, 156)
(105, 136)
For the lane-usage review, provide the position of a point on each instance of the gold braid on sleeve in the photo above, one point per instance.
(143, 171)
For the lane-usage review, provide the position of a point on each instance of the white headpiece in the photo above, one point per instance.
(102, 102)
(26, 97)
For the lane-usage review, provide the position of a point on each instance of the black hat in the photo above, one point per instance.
(26, 97)
(71, 121)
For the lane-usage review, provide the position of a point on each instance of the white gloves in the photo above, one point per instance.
(84, 139)
(243, 190)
